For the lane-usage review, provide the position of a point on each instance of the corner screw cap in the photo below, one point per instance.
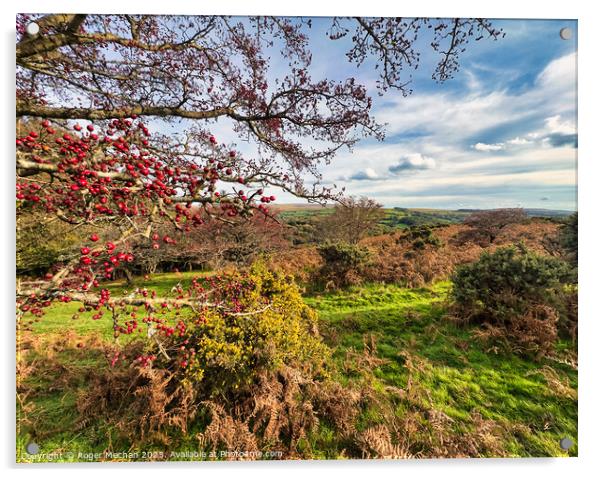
(32, 29)
(566, 443)
(32, 448)
(566, 33)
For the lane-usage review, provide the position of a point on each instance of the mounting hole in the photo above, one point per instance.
(566, 443)
(32, 29)
(566, 33)
(32, 448)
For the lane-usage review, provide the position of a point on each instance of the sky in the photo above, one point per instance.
(502, 133)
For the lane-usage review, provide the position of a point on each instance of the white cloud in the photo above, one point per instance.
(450, 117)
(533, 158)
(479, 146)
(466, 133)
(368, 174)
(518, 141)
(559, 74)
(555, 125)
(412, 162)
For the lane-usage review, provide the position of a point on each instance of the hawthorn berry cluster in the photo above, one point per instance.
(145, 360)
(186, 352)
(113, 176)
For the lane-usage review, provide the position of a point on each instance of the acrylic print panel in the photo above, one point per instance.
(295, 238)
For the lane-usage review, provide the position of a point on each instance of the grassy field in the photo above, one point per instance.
(395, 340)
(457, 374)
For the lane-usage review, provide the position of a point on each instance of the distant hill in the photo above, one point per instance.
(302, 217)
(532, 212)
(443, 212)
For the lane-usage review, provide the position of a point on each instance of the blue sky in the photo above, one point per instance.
(502, 133)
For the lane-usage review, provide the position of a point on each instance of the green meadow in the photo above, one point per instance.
(397, 342)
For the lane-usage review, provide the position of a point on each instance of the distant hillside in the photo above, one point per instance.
(302, 218)
(533, 212)
(458, 214)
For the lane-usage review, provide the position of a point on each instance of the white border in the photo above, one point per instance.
(590, 201)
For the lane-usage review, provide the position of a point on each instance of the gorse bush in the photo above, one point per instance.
(420, 237)
(569, 238)
(262, 368)
(515, 290)
(275, 328)
(343, 264)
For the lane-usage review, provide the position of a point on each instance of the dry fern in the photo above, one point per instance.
(376, 442)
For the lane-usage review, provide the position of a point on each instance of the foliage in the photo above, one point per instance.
(43, 243)
(506, 281)
(352, 219)
(301, 263)
(446, 394)
(275, 329)
(257, 369)
(342, 264)
(213, 245)
(131, 74)
(569, 238)
(516, 290)
(420, 237)
(416, 256)
(488, 224)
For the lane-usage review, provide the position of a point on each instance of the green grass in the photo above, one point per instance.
(460, 376)
(58, 314)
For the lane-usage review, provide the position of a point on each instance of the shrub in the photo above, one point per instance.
(488, 224)
(261, 372)
(343, 264)
(302, 262)
(277, 330)
(420, 237)
(516, 290)
(413, 260)
(569, 238)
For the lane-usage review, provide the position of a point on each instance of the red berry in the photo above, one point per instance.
(94, 238)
